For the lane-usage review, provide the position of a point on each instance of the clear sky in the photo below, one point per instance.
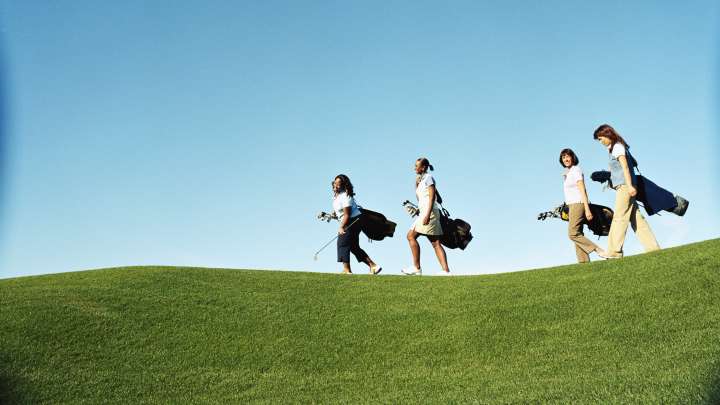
(207, 133)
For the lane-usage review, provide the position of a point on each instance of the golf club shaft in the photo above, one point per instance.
(336, 236)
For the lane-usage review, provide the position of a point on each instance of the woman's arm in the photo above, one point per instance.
(585, 199)
(431, 204)
(344, 221)
(626, 172)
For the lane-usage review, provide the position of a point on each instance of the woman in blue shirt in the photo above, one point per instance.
(623, 181)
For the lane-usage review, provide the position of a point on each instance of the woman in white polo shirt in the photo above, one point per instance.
(578, 205)
(351, 222)
(428, 221)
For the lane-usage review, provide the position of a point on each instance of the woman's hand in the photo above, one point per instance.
(345, 220)
(426, 220)
(632, 191)
(586, 203)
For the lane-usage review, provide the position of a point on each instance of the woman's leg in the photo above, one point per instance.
(620, 222)
(583, 245)
(356, 250)
(343, 252)
(414, 247)
(440, 252)
(642, 230)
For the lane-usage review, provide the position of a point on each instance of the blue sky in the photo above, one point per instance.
(207, 133)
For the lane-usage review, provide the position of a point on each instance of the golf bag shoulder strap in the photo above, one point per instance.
(632, 162)
(438, 198)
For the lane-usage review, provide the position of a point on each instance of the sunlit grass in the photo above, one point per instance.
(641, 329)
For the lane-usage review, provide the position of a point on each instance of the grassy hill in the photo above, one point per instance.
(642, 329)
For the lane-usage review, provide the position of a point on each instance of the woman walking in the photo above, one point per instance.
(623, 180)
(351, 222)
(428, 221)
(578, 206)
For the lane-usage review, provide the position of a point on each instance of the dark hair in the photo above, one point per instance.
(345, 184)
(609, 132)
(425, 163)
(569, 152)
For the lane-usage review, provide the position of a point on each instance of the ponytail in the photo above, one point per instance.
(426, 164)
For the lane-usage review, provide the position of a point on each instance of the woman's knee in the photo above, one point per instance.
(412, 235)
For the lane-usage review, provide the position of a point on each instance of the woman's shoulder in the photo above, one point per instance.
(618, 149)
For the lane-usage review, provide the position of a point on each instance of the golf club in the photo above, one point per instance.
(315, 257)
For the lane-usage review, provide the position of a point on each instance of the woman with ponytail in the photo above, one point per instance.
(623, 181)
(428, 221)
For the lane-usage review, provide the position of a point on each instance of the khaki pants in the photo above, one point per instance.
(627, 212)
(583, 245)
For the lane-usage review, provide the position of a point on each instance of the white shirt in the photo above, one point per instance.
(342, 200)
(618, 150)
(423, 193)
(570, 178)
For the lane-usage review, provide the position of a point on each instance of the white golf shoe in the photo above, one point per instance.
(412, 271)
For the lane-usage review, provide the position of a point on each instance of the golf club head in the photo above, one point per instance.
(324, 216)
(411, 208)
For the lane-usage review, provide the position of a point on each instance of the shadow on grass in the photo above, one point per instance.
(10, 392)
(713, 393)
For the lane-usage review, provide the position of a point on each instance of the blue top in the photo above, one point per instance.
(617, 177)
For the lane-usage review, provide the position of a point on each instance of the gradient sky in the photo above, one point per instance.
(207, 133)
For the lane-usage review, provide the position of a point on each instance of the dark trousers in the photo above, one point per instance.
(350, 242)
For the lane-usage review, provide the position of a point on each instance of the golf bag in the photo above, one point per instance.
(600, 224)
(456, 232)
(376, 226)
(653, 197)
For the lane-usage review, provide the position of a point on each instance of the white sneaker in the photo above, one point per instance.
(412, 271)
(442, 274)
(605, 255)
(376, 270)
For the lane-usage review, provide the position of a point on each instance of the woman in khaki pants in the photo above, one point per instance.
(428, 220)
(578, 205)
(622, 179)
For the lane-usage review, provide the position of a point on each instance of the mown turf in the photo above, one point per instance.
(641, 329)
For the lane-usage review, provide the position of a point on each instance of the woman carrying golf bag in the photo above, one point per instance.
(351, 223)
(578, 205)
(623, 180)
(428, 221)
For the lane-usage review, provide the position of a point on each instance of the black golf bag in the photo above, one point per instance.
(600, 224)
(456, 232)
(653, 197)
(376, 226)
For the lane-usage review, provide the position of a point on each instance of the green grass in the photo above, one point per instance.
(642, 329)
